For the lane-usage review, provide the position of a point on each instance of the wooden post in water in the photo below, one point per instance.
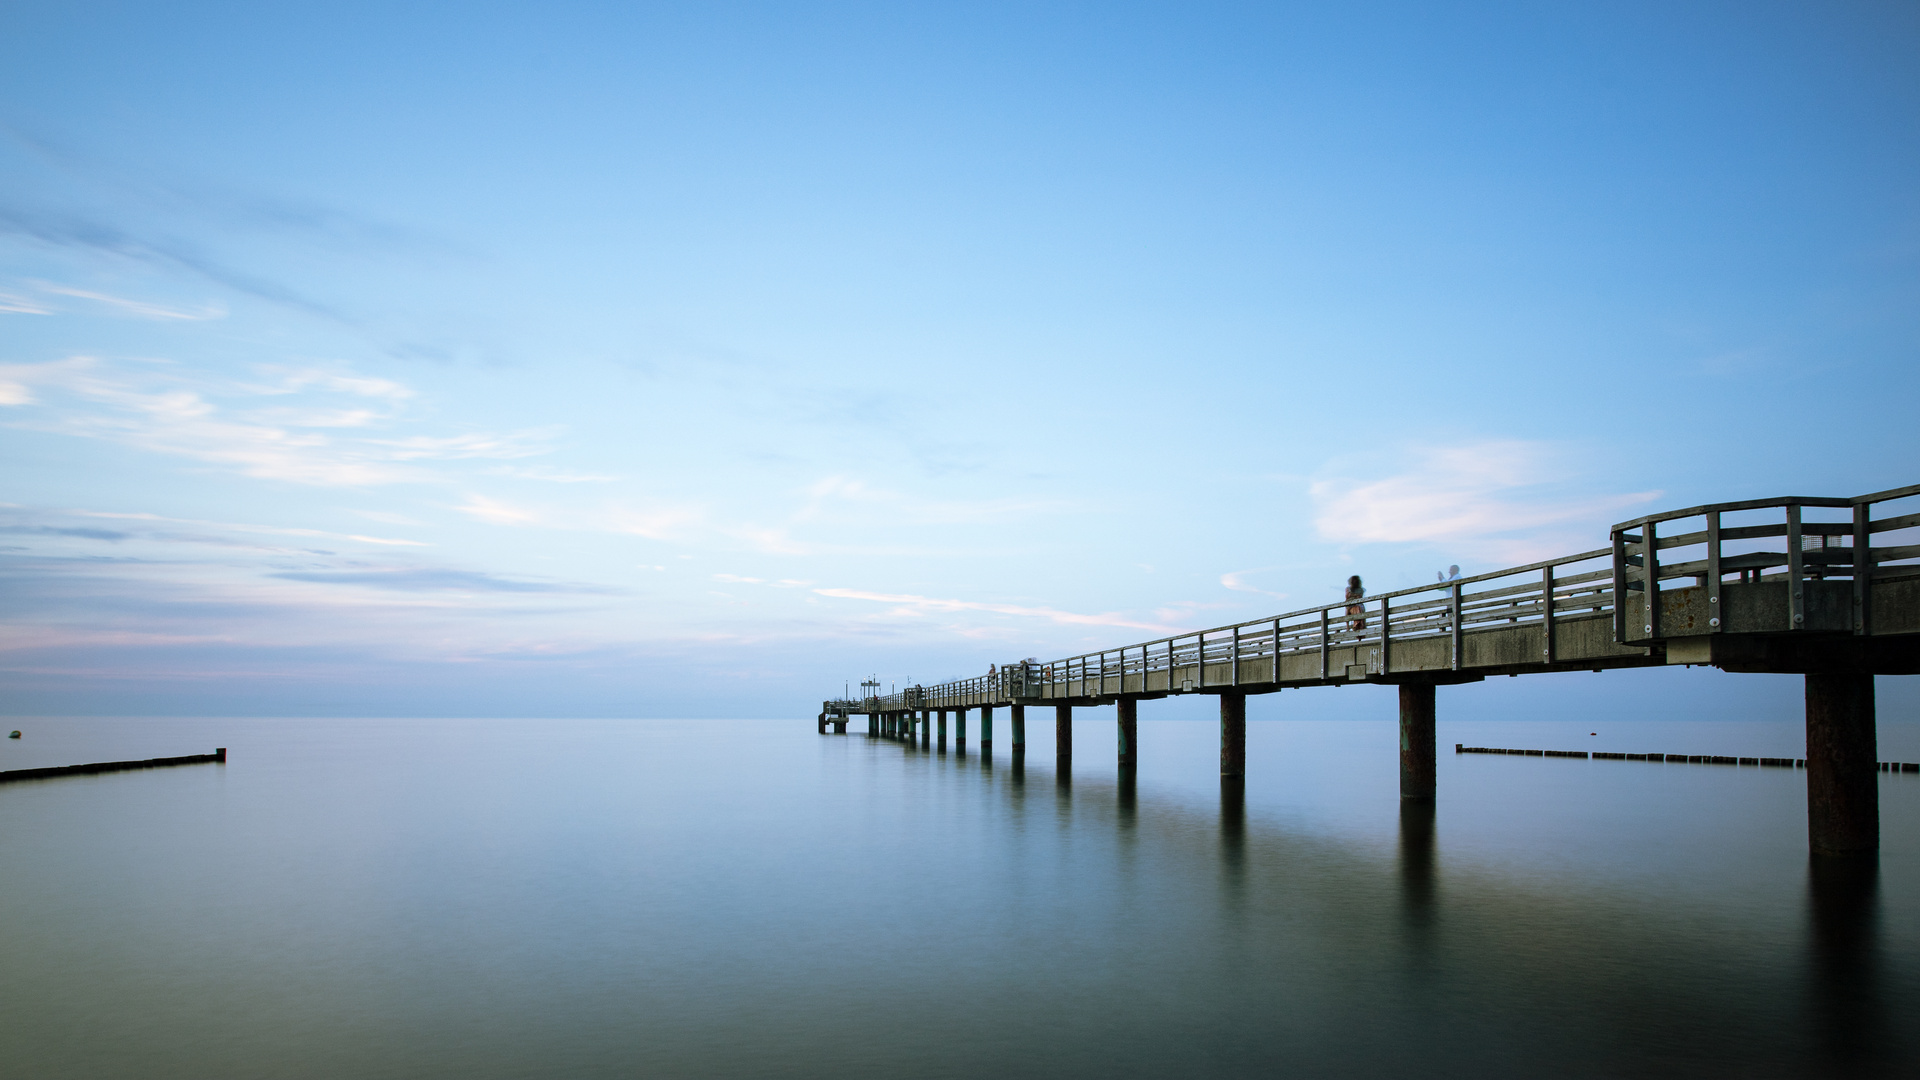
(1233, 734)
(1019, 729)
(1063, 734)
(986, 729)
(960, 731)
(1129, 709)
(1416, 741)
(1843, 782)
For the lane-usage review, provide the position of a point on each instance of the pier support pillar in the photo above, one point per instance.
(1233, 734)
(960, 730)
(986, 729)
(822, 727)
(1129, 710)
(1063, 733)
(943, 731)
(1019, 729)
(926, 728)
(1416, 742)
(1843, 784)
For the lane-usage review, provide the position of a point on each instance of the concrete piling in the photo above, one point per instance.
(943, 731)
(1129, 718)
(1019, 728)
(986, 729)
(1416, 741)
(1063, 733)
(960, 731)
(1233, 735)
(1843, 782)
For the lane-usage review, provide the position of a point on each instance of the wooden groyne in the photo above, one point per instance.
(219, 756)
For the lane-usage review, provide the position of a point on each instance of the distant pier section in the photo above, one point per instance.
(1827, 588)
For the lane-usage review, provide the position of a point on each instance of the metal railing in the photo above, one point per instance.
(1546, 594)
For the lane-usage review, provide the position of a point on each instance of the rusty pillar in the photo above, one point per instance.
(1843, 784)
(1416, 741)
(1019, 729)
(1233, 734)
(986, 729)
(1063, 733)
(1129, 710)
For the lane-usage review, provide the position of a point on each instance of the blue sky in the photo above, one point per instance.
(693, 360)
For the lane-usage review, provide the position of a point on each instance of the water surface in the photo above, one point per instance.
(417, 898)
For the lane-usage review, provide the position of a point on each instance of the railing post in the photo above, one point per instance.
(1862, 565)
(1386, 636)
(1714, 615)
(1546, 615)
(1619, 586)
(1323, 644)
(1796, 605)
(1234, 663)
(1456, 632)
(1276, 653)
(1650, 574)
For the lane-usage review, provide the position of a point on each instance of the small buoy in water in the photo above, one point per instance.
(14, 735)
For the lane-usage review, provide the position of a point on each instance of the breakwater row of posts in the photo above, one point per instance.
(1688, 759)
(219, 756)
(1823, 587)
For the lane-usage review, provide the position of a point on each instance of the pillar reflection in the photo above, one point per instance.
(1849, 1010)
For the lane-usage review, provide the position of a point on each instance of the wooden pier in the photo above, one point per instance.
(1828, 588)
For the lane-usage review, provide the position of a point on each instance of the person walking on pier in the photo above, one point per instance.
(1355, 591)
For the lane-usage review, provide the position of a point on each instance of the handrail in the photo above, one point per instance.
(1815, 550)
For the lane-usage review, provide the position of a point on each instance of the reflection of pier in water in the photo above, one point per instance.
(1838, 602)
(1305, 925)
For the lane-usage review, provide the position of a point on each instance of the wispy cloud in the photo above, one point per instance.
(413, 579)
(15, 304)
(551, 476)
(1237, 581)
(910, 604)
(1501, 499)
(495, 512)
(140, 309)
(162, 411)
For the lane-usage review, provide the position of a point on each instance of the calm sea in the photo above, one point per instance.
(407, 898)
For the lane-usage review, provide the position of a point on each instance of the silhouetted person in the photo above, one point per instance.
(1356, 591)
